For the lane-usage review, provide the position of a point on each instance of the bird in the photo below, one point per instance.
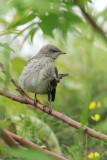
(40, 75)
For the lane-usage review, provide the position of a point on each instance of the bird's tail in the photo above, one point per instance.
(60, 76)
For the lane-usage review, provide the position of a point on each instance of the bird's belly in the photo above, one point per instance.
(39, 87)
(36, 84)
(36, 77)
(42, 88)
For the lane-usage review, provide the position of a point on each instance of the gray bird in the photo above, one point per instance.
(40, 76)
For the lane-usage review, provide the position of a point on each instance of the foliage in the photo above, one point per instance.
(63, 25)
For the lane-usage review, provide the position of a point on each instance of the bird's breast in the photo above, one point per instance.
(37, 75)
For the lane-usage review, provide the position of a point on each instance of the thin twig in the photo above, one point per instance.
(29, 144)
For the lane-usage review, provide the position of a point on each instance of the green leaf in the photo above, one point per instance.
(5, 32)
(63, 22)
(23, 20)
(6, 46)
(32, 33)
(47, 24)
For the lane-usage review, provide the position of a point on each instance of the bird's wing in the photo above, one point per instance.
(53, 84)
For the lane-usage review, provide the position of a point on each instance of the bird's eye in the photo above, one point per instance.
(54, 51)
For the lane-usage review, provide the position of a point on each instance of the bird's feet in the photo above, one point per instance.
(49, 109)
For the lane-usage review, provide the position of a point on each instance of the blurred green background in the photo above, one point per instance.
(25, 26)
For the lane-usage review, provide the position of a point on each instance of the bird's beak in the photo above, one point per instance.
(64, 53)
(61, 52)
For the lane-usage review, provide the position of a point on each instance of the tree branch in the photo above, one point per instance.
(9, 140)
(29, 144)
(27, 100)
(93, 23)
(90, 19)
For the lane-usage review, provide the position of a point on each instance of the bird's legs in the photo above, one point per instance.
(50, 108)
(35, 101)
(49, 102)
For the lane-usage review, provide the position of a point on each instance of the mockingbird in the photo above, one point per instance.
(40, 76)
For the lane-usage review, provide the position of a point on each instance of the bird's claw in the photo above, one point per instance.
(50, 109)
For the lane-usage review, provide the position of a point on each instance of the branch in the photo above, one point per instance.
(9, 140)
(29, 144)
(27, 100)
(93, 23)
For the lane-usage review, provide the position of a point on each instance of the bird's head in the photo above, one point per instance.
(51, 51)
